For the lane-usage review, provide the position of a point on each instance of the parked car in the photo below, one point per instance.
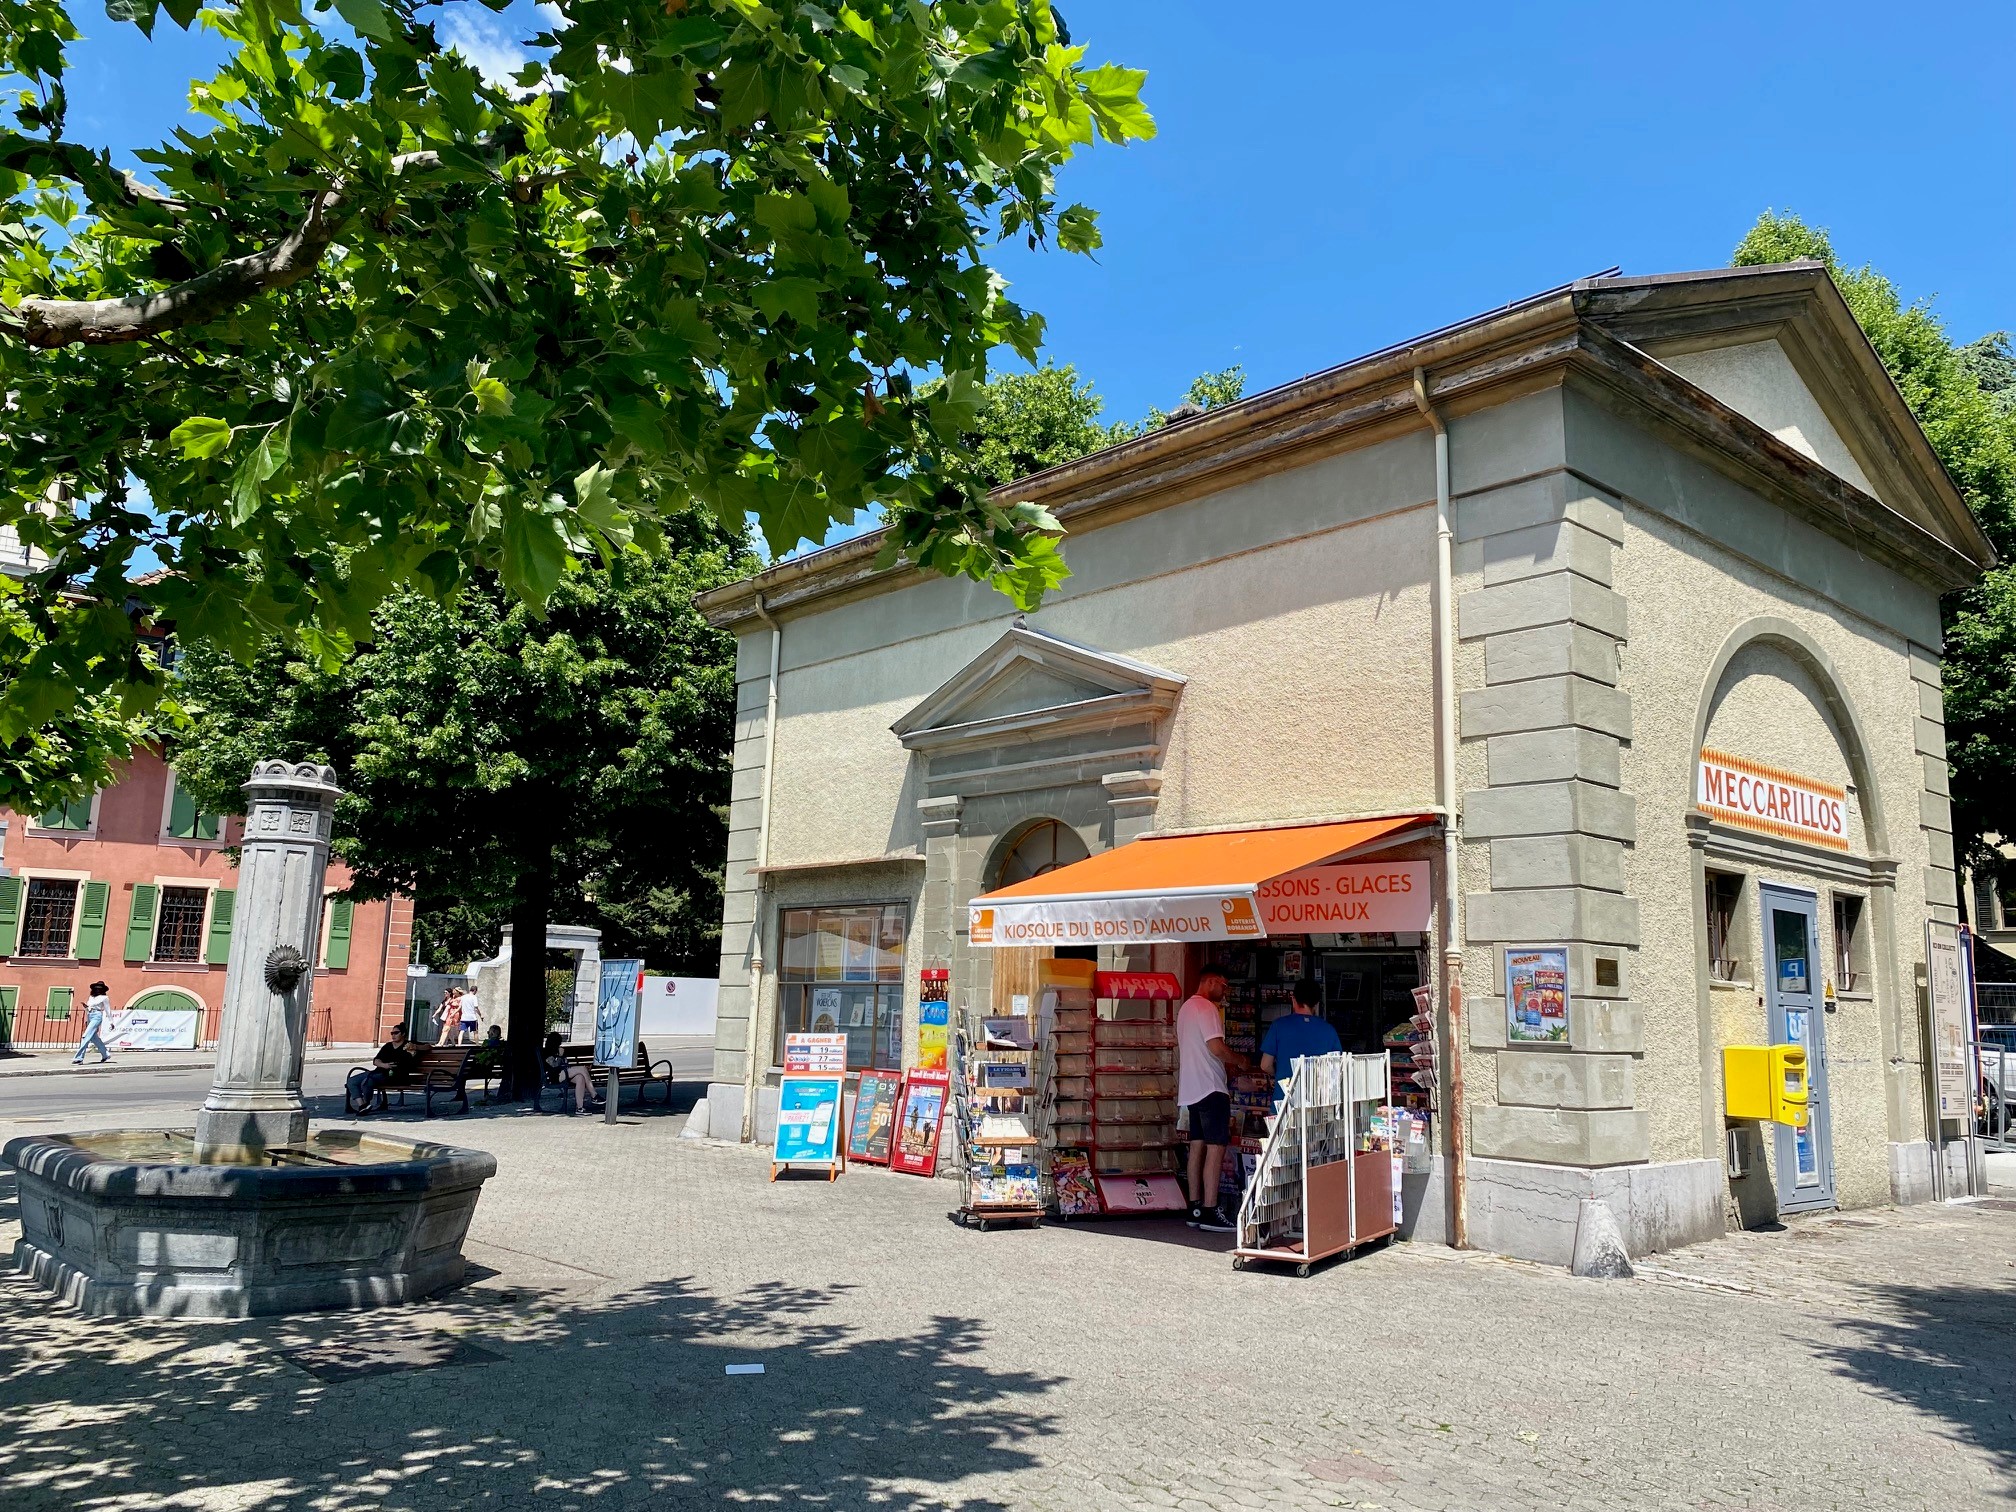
(1998, 1077)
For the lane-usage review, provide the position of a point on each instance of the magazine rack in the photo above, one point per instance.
(1327, 1178)
(999, 1095)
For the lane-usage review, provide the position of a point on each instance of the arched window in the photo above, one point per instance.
(1043, 847)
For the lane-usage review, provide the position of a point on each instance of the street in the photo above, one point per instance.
(1854, 1360)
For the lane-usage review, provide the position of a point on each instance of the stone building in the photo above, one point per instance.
(1666, 690)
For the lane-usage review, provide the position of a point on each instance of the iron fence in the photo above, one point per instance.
(32, 1026)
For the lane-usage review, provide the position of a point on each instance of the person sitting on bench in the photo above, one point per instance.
(561, 1072)
(392, 1065)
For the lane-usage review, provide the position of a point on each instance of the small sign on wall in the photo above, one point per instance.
(1536, 992)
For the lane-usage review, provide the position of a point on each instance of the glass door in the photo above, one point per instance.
(1804, 1158)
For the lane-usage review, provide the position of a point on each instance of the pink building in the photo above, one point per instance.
(132, 886)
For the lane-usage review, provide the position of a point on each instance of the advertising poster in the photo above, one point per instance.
(825, 1009)
(872, 1129)
(616, 1013)
(858, 964)
(153, 1029)
(1536, 993)
(934, 1018)
(1948, 989)
(921, 1111)
(808, 1122)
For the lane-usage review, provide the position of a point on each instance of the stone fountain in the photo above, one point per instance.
(250, 1212)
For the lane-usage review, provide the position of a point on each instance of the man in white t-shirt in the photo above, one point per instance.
(1202, 1059)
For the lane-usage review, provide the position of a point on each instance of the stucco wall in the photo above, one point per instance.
(1757, 378)
(1689, 595)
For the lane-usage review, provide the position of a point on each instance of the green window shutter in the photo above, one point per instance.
(337, 956)
(9, 997)
(10, 913)
(59, 1002)
(68, 816)
(91, 920)
(209, 826)
(140, 921)
(181, 813)
(223, 903)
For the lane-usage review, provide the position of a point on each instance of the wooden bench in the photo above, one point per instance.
(641, 1073)
(440, 1071)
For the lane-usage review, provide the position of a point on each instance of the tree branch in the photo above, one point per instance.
(52, 323)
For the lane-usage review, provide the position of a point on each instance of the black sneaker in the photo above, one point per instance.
(1196, 1218)
(1215, 1222)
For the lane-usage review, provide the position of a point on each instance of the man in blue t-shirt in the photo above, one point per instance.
(1295, 1035)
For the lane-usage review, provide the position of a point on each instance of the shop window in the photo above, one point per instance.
(178, 929)
(1040, 849)
(1725, 895)
(842, 973)
(184, 821)
(73, 817)
(1851, 968)
(48, 917)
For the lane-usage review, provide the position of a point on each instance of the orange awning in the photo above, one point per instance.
(1207, 887)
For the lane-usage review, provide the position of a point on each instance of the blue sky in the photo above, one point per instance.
(1329, 178)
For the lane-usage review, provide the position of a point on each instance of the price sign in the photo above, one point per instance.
(815, 1053)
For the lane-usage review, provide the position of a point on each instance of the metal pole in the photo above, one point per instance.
(609, 1090)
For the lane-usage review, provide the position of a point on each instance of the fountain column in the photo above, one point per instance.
(255, 1098)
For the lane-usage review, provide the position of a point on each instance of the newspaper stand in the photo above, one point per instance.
(1328, 1175)
(1000, 1086)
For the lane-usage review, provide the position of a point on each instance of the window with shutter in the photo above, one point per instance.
(49, 917)
(75, 815)
(59, 1003)
(9, 996)
(91, 920)
(336, 955)
(222, 905)
(185, 821)
(10, 914)
(140, 921)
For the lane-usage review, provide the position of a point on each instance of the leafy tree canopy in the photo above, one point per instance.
(483, 747)
(380, 322)
(1965, 398)
(1045, 418)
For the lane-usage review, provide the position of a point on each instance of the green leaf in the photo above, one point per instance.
(139, 12)
(598, 505)
(534, 554)
(258, 465)
(201, 436)
(796, 297)
(366, 17)
(1078, 230)
(1114, 94)
(492, 398)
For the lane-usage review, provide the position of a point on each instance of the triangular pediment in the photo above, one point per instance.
(1029, 680)
(1779, 346)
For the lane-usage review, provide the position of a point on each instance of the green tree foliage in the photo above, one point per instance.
(382, 323)
(505, 766)
(1045, 418)
(1965, 398)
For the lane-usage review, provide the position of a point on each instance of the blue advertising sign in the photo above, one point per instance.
(616, 1014)
(808, 1122)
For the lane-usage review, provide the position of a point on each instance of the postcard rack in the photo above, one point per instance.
(998, 1097)
(1326, 1178)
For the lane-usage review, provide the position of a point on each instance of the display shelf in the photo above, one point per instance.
(1325, 1182)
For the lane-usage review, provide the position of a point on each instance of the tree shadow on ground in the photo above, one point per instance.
(1946, 1351)
(622, 1401)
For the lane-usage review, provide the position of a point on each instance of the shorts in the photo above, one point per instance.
(1211, 1120)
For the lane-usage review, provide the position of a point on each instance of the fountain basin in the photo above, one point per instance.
(129, 1223)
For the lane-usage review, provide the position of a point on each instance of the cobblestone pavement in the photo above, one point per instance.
(1858, 1361)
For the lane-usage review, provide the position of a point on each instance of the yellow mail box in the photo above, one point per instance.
(1766, 1082)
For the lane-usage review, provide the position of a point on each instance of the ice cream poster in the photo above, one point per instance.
(1536, 993)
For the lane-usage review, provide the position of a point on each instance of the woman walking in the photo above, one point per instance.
(97, 1009)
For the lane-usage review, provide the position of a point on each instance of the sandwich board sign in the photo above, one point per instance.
(808, 1123)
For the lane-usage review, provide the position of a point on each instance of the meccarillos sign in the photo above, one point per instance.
(1771, 800)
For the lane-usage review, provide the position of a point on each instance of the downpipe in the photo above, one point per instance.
(1445, 784)
(755, 1052)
